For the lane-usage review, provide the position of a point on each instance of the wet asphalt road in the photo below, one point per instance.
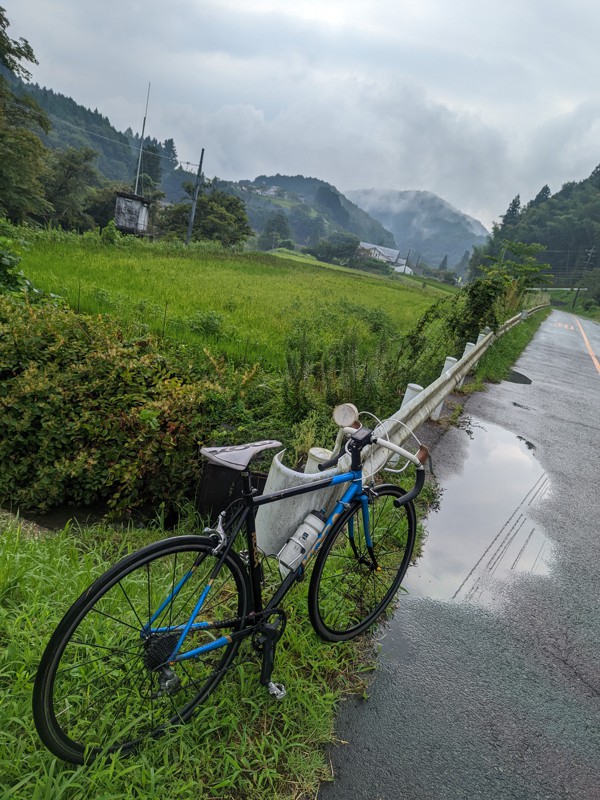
(499, 699)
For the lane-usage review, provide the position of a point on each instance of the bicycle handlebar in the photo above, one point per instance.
(331, 462)
(417, 459)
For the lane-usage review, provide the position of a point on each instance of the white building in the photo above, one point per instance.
(387, 254)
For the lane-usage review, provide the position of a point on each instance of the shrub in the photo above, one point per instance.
(10, 256)
(89, 415)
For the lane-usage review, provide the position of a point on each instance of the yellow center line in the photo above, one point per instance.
(589, 347)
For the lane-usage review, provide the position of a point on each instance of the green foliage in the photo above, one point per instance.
(275, 233)
(219, 217)
(314, 209)
(328, 199)
(513, 213)
(208, 322)
(14, 51)
(11, 249)
(97, 416)
(482, 306)
(22, 154)
(110, 234)
(97, 413)
(566, 223)
(307, 228)
(592, 282)
(68, 186)
(339, 248)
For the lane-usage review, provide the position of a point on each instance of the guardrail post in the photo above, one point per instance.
(412, 390)
(448, 364)
(468, 347)
(316, 456)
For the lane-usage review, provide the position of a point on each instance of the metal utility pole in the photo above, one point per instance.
(195, 199)
(137, 176)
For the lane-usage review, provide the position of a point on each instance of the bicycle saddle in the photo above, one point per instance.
(238, 456)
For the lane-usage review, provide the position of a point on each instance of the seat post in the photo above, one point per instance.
(247, 490)
(254, 563)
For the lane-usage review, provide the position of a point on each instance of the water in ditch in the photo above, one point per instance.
(485, 531)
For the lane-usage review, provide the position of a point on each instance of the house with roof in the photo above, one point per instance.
(386, 254)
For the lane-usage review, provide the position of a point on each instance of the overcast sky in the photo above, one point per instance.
(471, 99)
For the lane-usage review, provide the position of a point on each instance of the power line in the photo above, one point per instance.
(116, 141)
(107, 138)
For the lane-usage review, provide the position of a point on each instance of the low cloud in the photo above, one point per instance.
(475, 102)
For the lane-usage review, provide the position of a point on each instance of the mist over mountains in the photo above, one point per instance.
(423, 223)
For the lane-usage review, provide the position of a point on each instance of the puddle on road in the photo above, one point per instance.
(484, 532)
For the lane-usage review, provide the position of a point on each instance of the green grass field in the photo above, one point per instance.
(246, 304)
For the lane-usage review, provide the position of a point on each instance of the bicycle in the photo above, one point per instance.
(153, 636)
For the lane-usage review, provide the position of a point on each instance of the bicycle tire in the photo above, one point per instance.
(97, 688)
(347, 594)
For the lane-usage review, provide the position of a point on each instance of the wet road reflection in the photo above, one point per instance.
(484, 531)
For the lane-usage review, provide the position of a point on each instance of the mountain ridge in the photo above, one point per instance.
(313, 206)
(424, 223)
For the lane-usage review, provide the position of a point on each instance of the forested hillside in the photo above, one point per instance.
(567, 224)
(313, 208)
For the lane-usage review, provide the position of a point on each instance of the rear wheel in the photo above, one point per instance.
(352, 583)
(102, 685)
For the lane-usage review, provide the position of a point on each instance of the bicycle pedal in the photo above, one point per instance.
(277, 690)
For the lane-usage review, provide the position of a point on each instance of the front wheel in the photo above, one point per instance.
(103, 685)
(361, 564)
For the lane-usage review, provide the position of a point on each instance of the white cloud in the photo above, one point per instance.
(474, 100)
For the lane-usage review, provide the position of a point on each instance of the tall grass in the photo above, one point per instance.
(246, 304)
(241, 744)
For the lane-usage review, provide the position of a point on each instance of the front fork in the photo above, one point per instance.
(371, 562)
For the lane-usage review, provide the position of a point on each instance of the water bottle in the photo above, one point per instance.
(304, 537)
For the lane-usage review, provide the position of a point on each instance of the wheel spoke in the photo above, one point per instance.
(347, 592)
(102, 693)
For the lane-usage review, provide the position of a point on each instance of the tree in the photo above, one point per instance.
(219, 217)
(444, 263)
(541, 197)
(339, 248)
(513, 213)
(151, 167)
(68, 187)
(463, 265)
(275, 232)
(100, 204)
(306, 228)
(13, 51)
(169, 154)
(520, 266)
(22, 154)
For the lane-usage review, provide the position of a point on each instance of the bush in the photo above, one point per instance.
(10, 256)
(89, 415)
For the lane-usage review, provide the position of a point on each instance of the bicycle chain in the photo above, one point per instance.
(258, 617)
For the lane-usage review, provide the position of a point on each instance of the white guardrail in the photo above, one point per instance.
(425, 403)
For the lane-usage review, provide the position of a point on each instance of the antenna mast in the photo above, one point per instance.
(137, 177)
